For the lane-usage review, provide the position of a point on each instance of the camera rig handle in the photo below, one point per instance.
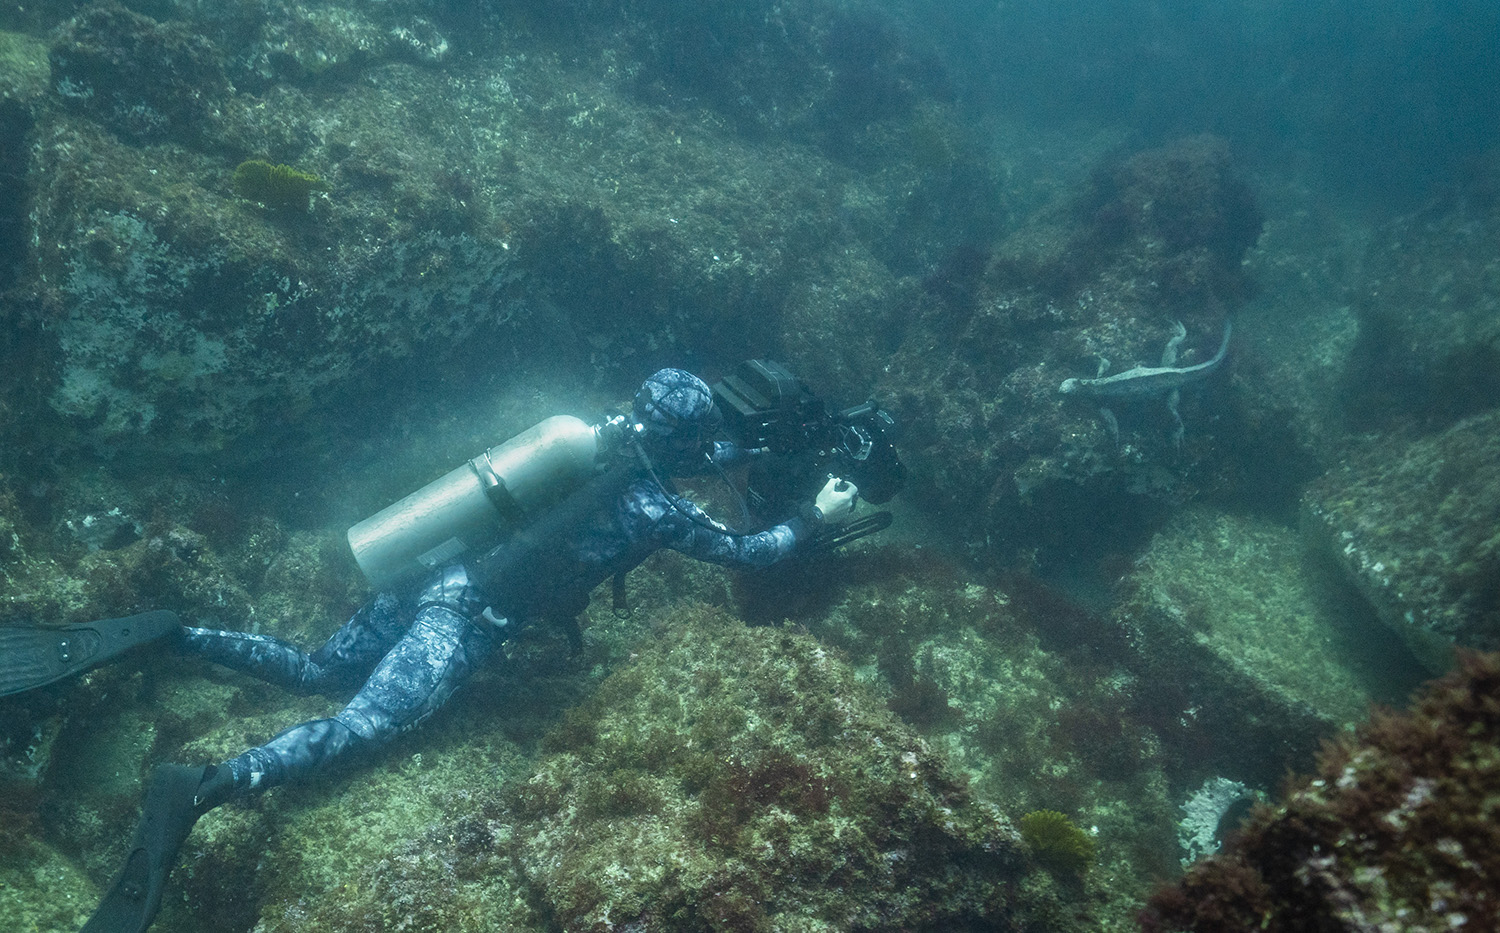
(835, 536)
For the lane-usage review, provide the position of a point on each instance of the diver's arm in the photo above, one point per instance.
(686, 528)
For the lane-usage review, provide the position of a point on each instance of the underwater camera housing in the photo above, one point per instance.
(765, 406)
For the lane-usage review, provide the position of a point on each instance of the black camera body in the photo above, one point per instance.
(765, 406)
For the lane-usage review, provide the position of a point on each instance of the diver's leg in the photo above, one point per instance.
(415, 678)
(343, 661)
(437, 654)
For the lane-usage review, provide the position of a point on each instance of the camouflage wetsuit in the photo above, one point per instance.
(412, 649)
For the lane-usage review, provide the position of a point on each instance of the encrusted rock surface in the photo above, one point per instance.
(1416, 523)
(1394, 831)
(743, 778)
(532, 201)
(1106, 273)
(1429, 313)
(1261, 648)
(145, 80)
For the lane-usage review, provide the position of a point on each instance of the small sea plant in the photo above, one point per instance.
(1058, 842)
(278, 187)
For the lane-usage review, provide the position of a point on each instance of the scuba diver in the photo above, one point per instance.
(443, 605)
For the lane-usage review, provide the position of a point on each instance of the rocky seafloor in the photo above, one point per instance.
(271, 266)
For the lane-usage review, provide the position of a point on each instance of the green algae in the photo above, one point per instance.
(278, 187)
(1057, 841)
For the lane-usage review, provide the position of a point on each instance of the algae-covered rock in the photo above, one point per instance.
(23, 80)
(1429, 313)
(1105, 274)
(186, 318)
(145, 80)
(1394, 831)
(508, 209)
(1254, 650)
(744, 778)
(413, 843)
(1293, 340)
(40, 889)
(1030, 696)
(1414, 523)
(23, 68)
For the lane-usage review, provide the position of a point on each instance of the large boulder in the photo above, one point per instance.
(1251, 650)
(1106, 274)
(1428, 352)
(1414, 523)
(145, 80)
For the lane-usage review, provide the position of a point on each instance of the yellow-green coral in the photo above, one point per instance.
(1057, 841)
(279, 187)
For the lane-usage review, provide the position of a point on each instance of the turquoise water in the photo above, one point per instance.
(267, 268)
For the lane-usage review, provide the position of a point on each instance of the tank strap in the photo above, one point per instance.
(495, 490)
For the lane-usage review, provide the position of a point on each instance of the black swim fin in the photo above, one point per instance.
(32, 655)
(168, 816)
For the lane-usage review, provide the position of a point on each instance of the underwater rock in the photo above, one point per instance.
(40, 887)
(1183, 207)
(1293, 341)
(416, 841)
(24, 74)
(1106, 273)
(28, 738)
(743, 778)
(1428, 351)
(129, 567)
(1394, 831)
(1356, 330)
(23, 82)
(1414, 523)
(824, 72)
(485, 218)
(145, 80)
(1251, 652)
(1028, 695)
(180, 318)
(327, 43)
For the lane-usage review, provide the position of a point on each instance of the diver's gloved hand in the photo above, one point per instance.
(835, 500)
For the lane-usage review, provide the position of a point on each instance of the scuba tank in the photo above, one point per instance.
(474, 506)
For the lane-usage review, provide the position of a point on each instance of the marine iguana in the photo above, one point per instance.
(1149, 380)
